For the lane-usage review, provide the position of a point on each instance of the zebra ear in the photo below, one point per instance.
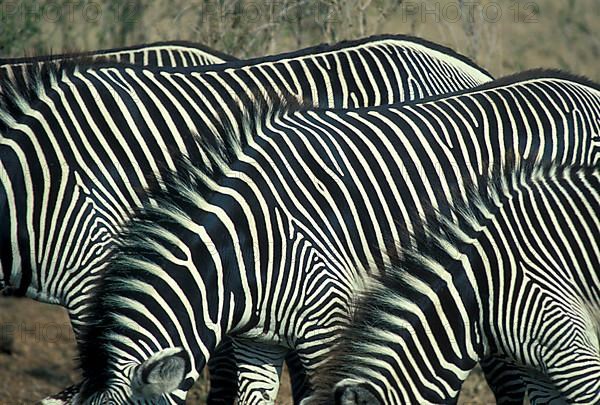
(161, 374)
(352, 392)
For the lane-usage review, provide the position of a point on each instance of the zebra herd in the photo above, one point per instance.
(380, 214)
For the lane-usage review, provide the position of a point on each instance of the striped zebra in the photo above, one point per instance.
(518, 279)
(81, 152)
(169, 53)
(18, 72)
(265, 241)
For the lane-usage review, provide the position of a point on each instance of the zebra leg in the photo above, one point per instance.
(308, 358)
(223, 375)
(259, 371)
(510, 384)
(540, 390)
(505, 380)
(298, 377)
(67, 395)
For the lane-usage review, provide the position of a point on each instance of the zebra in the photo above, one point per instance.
(105, 133)
(168, 53)
(267, 239)
(17, 72)
(517, 279)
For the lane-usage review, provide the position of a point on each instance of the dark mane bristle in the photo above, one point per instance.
(512, 79)
(42, 74)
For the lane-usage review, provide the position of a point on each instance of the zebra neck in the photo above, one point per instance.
(404, 346)
(140, 300)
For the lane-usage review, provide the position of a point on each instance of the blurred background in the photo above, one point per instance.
(37, 351)
(503, 36)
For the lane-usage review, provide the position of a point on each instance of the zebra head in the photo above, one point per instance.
(355, 392)
(153, 381)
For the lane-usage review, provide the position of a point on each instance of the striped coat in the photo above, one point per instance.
(86, 146)
(267, 242)
(516, 280)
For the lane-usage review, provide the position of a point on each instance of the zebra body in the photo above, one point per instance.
(86, 146)
(518, 280)
(101, 103)
(269, 238)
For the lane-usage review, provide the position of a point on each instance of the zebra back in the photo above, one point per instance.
(22, 75)
(166, 53)
(138, 118)
(20, 72)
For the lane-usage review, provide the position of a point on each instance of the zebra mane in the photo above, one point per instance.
(539, 73)
(16, 100)
(442, 243)
(139, 242)
(337, 46)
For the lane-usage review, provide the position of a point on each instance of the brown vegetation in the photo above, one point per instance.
(504, 36)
